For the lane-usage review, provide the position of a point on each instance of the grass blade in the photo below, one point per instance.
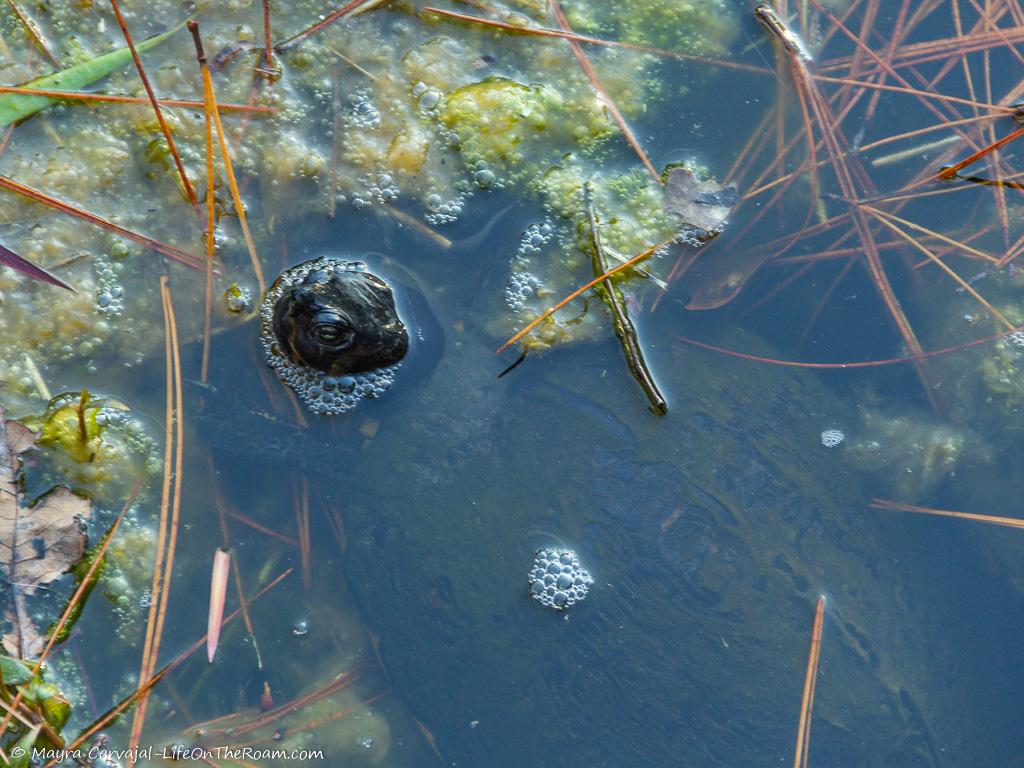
(15, 107)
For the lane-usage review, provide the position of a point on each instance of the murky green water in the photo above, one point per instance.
(404, 634)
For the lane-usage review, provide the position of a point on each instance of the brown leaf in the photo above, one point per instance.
(38, 543)
(703, 204)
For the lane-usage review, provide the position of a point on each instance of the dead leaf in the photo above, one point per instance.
(38, 543)
(703, 204)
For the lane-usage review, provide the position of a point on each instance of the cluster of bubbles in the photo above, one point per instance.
(830, 438)
(125, 578)
(427, 99)
(532, 243)
(109, 292)
(132, 431)
(557, 580)
(523, 284)
(520, 287)
(321, 392)
(380, 188)
(484, 176)
(441, 211)
(362, 113)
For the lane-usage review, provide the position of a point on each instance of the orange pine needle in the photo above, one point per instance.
(218, 594)
(580, 291)
(164, 128)
(964, 285)
(803, 732)
(595, 81)
(1010, 522)
(328, 19)
(948, 173)
(210, 100)
(118, 99)
(566, 35)
(211, 212)
(168, 531)
(41, 197)
(33, 33)
(856, 364)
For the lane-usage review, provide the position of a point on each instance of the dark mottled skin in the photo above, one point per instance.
(340, 322)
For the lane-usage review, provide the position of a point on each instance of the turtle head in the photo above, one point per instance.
(340, 321)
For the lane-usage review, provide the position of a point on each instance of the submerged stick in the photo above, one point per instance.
(624, 328)
(644, 254)
(269, 63)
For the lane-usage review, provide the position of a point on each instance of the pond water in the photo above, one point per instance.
(467, 166)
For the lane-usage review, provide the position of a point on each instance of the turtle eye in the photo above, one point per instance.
(330, 330)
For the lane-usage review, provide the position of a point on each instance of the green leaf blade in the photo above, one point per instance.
(18, 106)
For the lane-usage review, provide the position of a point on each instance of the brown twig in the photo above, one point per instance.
(624, 328)
(644, 254)
(268, 46)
